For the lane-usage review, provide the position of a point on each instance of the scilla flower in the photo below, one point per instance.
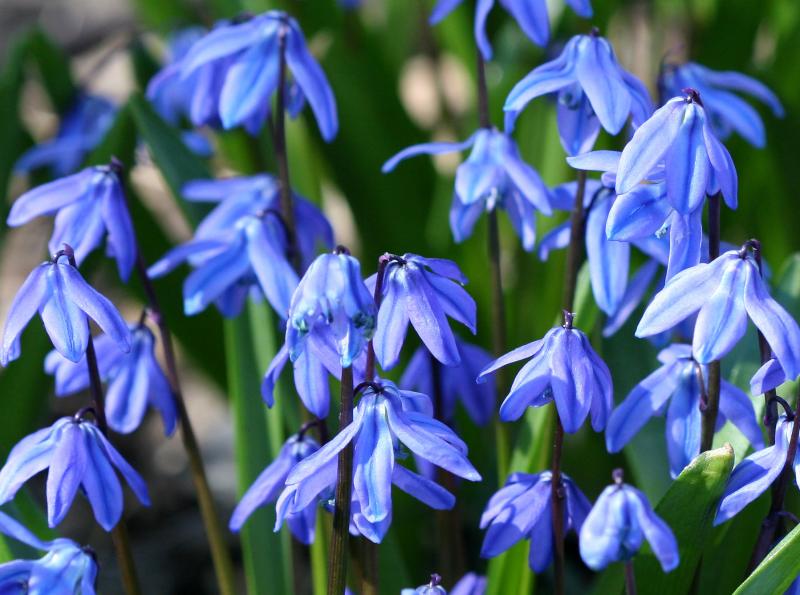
(726, 111)
(593, 91)
(135, 380)
(521, 509)
(696, 163)
(617, 526)
(563, 368)
(65, 302)
(433, 587)
(66, 568)
(724, 293)
(78, 456)
(678, 381)
(87, 206)
(422, 291)
(493, 176)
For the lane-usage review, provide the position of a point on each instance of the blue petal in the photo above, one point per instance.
(101, 484)
(442, 9)
(275, 274)
(722, 320)
(688, 169)
(602, 161)
(67, 468)
(770, 375)
(311, 383)
(482, 9)
(29, 456)
(532, 18)
(737, 81)
(134, 480)
(81, 226)
(392, 325)
(541, 540)
(608, 260)
(571, 374)
(522, 216)
(373, 461)
(638, 213)
(482, 173)
(515, 355)
(516, 520)
(49, 198)
(598, 73)
(455, 301)
(426, 149)
(657, 532)
(423, 489)
(250, 83)
(685, 241)
(121, 238)
(222, 189)
(683, 421)
(737, 407)
(637, 287)
(65, 322)
(26, 303)
(463, 218)
(724, 169)
(524, 177)
(600, 540)
(583, 8)
(126, 396)
(224, 41)
(556, 239)
(271, 375)
(208, 282)
(179, 254)
(578, 126)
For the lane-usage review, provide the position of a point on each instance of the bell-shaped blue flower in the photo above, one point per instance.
(531, 15)
(453, 383)
(432, 587)
(563, 368)
(494, 176)
(250, 51)
(522, 509)
(726, 111)
(724, 293)
(135, 380)
(269, 484)
(590, 82)
(424, 292)
(66, 568)
(65, 302)
(696, 163)
(87, 206)
(78, 455)
(82, 128)
(617, 526)
(678, 381)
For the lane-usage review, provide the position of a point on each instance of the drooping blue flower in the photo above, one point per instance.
(424, 292)
(247, 57)
(531, 15)
(470, 584)
(493, 176)
(678, 380)
(66, 568)
(724, 293)
(82, 128)
(269, 484)
(726, 111)
(617, 526)
(432, 587)
(563, 368)
(87, 206)
(380, 423)
(696, 163)
(135, 380)
(453, 383)
(521, 509)
(331, 299)
(65, 302)
(78, 456)
(592, 88)
(755, 474)
(768, 377)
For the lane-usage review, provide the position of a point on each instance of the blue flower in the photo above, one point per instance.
(618, 524)
(380, 423)
(522, 509)
(768, 377)
(268, 485)
(493, 176)
(678, 380)
(531, 15)
(87, 206)
(590, 84)
(66, 569)
(696, 163)
(249, 76)
(470, 584)
(78, 456)
(422, 291)
(453, 383)
(563, 367)
(756, 473)
(727, 112)
(135, 380)
(724, 292)
(65, 303)
(82, 128)
(433, 587)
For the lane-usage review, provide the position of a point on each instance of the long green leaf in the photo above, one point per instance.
(777, 571)
(54, 70)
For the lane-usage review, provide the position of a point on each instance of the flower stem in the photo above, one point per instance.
(369, 567)
(714, 379)
(630, 578)
(557, 508)
(770, 412)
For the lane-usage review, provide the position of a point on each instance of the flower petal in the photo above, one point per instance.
(27, 301)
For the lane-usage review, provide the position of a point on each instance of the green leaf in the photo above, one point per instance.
(54, 70)
(777, 571)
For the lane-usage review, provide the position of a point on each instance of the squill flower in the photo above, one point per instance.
(135, 380)
(87, 206)
(531, 15)
(726, 111)
(66, 568)
(724, 293)
(563, 368)
(521, 509)
(696, 163)
(768, 377)
(678, 380)
(82, 128)
(432, 587)
(78, 456)
(269, 484)
(617, 526)
(250, 55)
(591, 85)
(424, 292)
(494, 176)
(65, 302)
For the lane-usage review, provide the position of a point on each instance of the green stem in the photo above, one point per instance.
(711, 409)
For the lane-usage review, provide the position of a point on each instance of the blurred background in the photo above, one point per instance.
(397, 82)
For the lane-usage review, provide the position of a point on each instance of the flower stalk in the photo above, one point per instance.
(630, 578)
(711, 409)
